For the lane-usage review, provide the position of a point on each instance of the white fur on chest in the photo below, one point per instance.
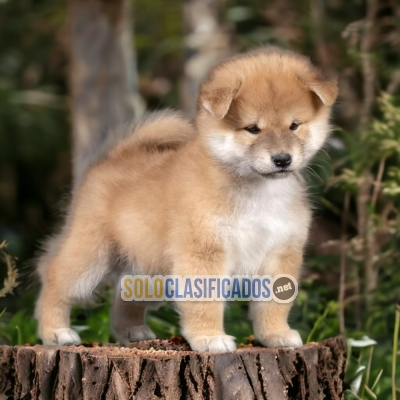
(266, 219)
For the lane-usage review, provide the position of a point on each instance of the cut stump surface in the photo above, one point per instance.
(167, 369)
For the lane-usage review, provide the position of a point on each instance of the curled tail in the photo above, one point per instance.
(157, 131)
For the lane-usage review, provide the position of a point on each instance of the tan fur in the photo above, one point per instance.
(176, 199)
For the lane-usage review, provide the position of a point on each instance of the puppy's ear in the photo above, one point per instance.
(217, 99)
(326, 88)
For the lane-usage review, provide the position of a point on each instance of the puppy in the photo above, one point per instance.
(222, 197)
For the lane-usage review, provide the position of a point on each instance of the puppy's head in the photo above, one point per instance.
(265, 112)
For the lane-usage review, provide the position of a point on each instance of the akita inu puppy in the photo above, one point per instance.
(223, 196)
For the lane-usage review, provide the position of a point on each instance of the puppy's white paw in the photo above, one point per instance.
(135, 334)
(142, 332)
(289, 338)
(213, 344)
(63, 337)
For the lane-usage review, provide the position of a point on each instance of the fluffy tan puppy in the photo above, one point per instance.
(224, 196)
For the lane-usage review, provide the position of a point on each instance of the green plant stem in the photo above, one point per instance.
(367, 373)
(317, 323)
(395, 347)
(343, 262)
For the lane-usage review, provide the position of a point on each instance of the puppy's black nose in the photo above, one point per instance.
(282, 160)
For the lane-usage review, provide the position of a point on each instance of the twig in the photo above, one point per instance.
(41, 99)
(363, 198)
(378, 181)
(389, 207)
(10, 282)
(351, 299)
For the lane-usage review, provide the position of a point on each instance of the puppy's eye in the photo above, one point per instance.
(294, 126)
(254, 129)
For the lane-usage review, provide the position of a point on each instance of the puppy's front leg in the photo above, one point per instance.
(202, 326)
(270, 317)
(202, 321)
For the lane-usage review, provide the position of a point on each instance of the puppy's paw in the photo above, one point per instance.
(135, 334)
(213, 344)
(62, 337)
(289, 338)
(142, 332)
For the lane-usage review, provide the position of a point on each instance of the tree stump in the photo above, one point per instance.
(167, 369)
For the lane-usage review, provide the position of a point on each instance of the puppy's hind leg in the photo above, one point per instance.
(129, 318)
(74, 264)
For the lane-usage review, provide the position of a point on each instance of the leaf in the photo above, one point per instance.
(80, 328)
(365, 341)
(356, 384)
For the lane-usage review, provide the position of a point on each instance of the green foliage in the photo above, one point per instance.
(372, 158)
(19, 329)
(93, 322)
(384, 135)
(366, 379)
(359, 368)
(164, 322)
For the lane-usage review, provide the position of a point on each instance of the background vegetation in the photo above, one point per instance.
(352, 270)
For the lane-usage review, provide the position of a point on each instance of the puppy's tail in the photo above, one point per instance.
(157, 131)
(166, 130)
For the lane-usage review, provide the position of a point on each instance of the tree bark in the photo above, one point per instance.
(206, 44)
(167, 369)
(103, 77)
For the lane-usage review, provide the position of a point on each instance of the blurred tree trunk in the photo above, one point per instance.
(318, 20)
(103, 77)
(206, 44)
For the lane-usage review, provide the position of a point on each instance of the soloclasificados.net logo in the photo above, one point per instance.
(281, 288)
